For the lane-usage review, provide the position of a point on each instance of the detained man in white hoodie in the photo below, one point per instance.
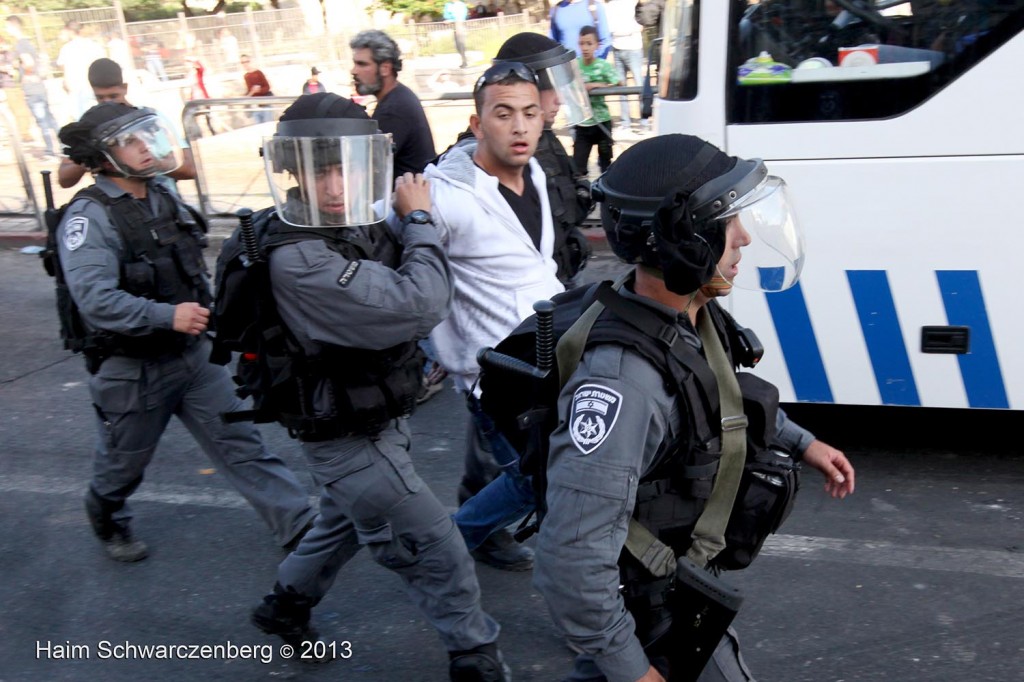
(490, 205)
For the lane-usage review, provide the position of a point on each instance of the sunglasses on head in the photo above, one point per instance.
(503, 70)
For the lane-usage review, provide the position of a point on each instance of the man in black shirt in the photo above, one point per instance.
(376, 62)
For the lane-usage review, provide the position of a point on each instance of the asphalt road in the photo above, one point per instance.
(918, 576)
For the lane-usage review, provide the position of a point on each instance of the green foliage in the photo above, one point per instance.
(426, 9)
(55, 5)
(148, 10)
(134, 10)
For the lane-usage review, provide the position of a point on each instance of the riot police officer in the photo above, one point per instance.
(131, 255)
(356, 296)
(640, 438)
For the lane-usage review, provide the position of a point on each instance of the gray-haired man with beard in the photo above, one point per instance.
(376, 61)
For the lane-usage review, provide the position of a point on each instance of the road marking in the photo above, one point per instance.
(164, 494)
(799, 547)
(883, 553)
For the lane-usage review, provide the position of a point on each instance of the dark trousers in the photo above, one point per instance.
(586, 138)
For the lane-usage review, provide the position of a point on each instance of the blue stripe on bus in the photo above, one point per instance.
(881, 328)
(799, 345)
(983, 380)
(772, 279)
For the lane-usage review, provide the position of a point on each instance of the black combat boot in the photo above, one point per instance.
(502, 551)
(482, 664)
(116, 536)
(286, 613)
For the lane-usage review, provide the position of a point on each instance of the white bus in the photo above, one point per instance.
(905, 163)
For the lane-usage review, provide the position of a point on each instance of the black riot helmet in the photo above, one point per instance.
(556, 68)
(666, 202)
(138, 142)
(328, 164)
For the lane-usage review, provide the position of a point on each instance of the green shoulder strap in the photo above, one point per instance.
(709, 533)
(569, 349)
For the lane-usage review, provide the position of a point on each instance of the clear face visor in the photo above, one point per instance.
(774, 256)
(329, 181)
(562, 86)
(144, 147)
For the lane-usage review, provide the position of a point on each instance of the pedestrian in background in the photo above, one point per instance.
(596, 131)
(313, 84)
(256, 85)
(75, 56)
(457, 11)
(376, 63)
(627, 51)
(231, 55)
(32, 88)
(569, 16)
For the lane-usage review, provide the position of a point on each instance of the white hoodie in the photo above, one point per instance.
(498, 273)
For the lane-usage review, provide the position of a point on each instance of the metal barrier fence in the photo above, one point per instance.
(223, 131)
(225, 140)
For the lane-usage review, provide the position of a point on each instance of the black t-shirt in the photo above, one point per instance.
(526, 207)
(401, 114)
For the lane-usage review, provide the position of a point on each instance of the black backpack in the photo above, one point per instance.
(73, 332)
(248, 323)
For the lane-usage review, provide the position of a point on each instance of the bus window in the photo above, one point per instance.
(679, 50)
(812, 60)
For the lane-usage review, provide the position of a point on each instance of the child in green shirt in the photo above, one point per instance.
(597, 73)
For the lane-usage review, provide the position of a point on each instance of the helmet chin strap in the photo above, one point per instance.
(717, 285)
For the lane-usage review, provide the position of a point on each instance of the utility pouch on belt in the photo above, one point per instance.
(702, 606)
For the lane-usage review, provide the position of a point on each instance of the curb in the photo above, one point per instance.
(18, 240)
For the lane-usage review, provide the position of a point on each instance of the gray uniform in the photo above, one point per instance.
(594, 468)
(136, 397)
(371, 494)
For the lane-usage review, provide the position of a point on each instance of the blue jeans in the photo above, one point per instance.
(427, 346)
(261, 115)
(633, 60)
(40, 108)
(503, 501)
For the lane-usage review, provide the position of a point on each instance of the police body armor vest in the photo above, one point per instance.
(162, 261)
(340, 390)
(568, 207)
(672, 495)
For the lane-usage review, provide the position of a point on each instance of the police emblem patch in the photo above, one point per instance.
(75, 231)
(594, 411)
